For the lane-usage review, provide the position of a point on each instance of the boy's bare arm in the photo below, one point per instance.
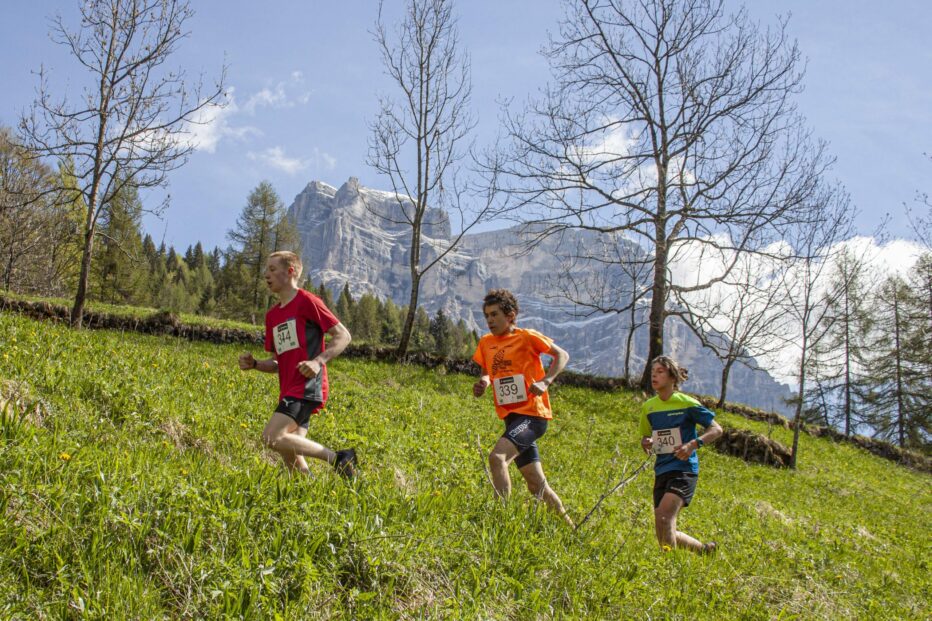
(248, 363)
(560, 359)
(709, 434)
(340, 337)
(478, 389)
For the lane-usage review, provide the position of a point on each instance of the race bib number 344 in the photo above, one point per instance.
(665, 440)
(286, 336)
(510, 389)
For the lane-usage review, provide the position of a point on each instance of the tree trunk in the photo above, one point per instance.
(726, 370)
(414, 266)
(798, 419)
(408, 328)
(631, 329)
(657, 305)
(847, 366)
(900, 423)
(77, 311)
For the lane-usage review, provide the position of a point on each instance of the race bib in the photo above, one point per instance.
(510, 389)
(665, 440)
(286, 336)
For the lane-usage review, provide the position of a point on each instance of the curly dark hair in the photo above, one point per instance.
(504, 298)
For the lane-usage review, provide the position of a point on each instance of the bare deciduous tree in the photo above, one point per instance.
(37, 233)
(418, 139)
(131, 124)
(739, 319)
(605, 274)
(672, 121)
(808, 295)
(842, 351)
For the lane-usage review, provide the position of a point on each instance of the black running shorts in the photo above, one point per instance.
(683, 484)
(298, 410)
(524, 431)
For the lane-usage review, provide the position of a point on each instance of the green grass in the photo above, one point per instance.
(135, 486)
(137, 312)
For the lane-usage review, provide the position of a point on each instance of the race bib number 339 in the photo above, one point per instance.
(286, 336)
(510, 389)
(665, 440)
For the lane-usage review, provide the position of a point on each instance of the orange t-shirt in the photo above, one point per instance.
(515, 359)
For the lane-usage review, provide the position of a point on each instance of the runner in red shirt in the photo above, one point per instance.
(294, 334)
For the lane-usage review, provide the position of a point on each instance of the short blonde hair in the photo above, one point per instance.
(289, 259)
(678, 373)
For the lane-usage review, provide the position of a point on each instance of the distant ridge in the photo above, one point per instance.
(344, 242)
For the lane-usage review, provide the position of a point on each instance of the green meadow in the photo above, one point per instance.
(133, 485)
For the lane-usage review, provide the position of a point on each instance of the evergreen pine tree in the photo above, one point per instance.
(261, 228)
(323, 292)
(345, 308)
(366, 323)
(441, 331)
(119, 275)
(391, 323)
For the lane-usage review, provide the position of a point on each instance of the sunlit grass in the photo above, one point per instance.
(136, 487)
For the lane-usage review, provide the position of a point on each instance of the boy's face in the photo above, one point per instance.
(278, 275)
(660, 377)
(499, 323)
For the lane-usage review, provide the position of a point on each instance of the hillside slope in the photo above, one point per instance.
(133, 485)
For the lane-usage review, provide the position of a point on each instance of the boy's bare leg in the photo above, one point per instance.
(502, 454)
(533, 474)
(292, 460)
(665, 525)
(281, 435)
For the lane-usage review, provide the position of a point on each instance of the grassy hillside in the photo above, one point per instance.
(134, 486)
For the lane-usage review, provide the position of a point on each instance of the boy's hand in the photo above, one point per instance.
(540, 387)
(647, 444)
(478, 389)
(309, 368)
(247, 362)
(683, 451)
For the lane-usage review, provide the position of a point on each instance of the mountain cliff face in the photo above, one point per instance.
(358, 236)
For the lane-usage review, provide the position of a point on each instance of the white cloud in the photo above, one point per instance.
(214, 123)
(695, 263)
(281, 95)
(275, 157)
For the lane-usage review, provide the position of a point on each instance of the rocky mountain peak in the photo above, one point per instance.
(345, 241)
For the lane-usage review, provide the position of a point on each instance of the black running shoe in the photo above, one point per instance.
(345, 463)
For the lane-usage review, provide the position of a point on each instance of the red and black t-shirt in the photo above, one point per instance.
(295, 333)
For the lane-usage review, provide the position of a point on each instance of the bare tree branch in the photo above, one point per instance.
(131, 127)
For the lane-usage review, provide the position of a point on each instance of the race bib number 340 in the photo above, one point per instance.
(665, 440)
(510, 389)
(286, 336)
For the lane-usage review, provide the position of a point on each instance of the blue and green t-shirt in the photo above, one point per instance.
(679, 411)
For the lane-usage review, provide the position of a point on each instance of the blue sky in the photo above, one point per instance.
(305, 76)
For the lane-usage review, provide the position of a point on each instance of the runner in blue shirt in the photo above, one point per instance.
(668, 429)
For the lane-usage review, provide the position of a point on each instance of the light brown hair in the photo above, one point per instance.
(289, 259)
(678, 373)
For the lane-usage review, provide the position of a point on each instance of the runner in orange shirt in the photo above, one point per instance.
(510, 361)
